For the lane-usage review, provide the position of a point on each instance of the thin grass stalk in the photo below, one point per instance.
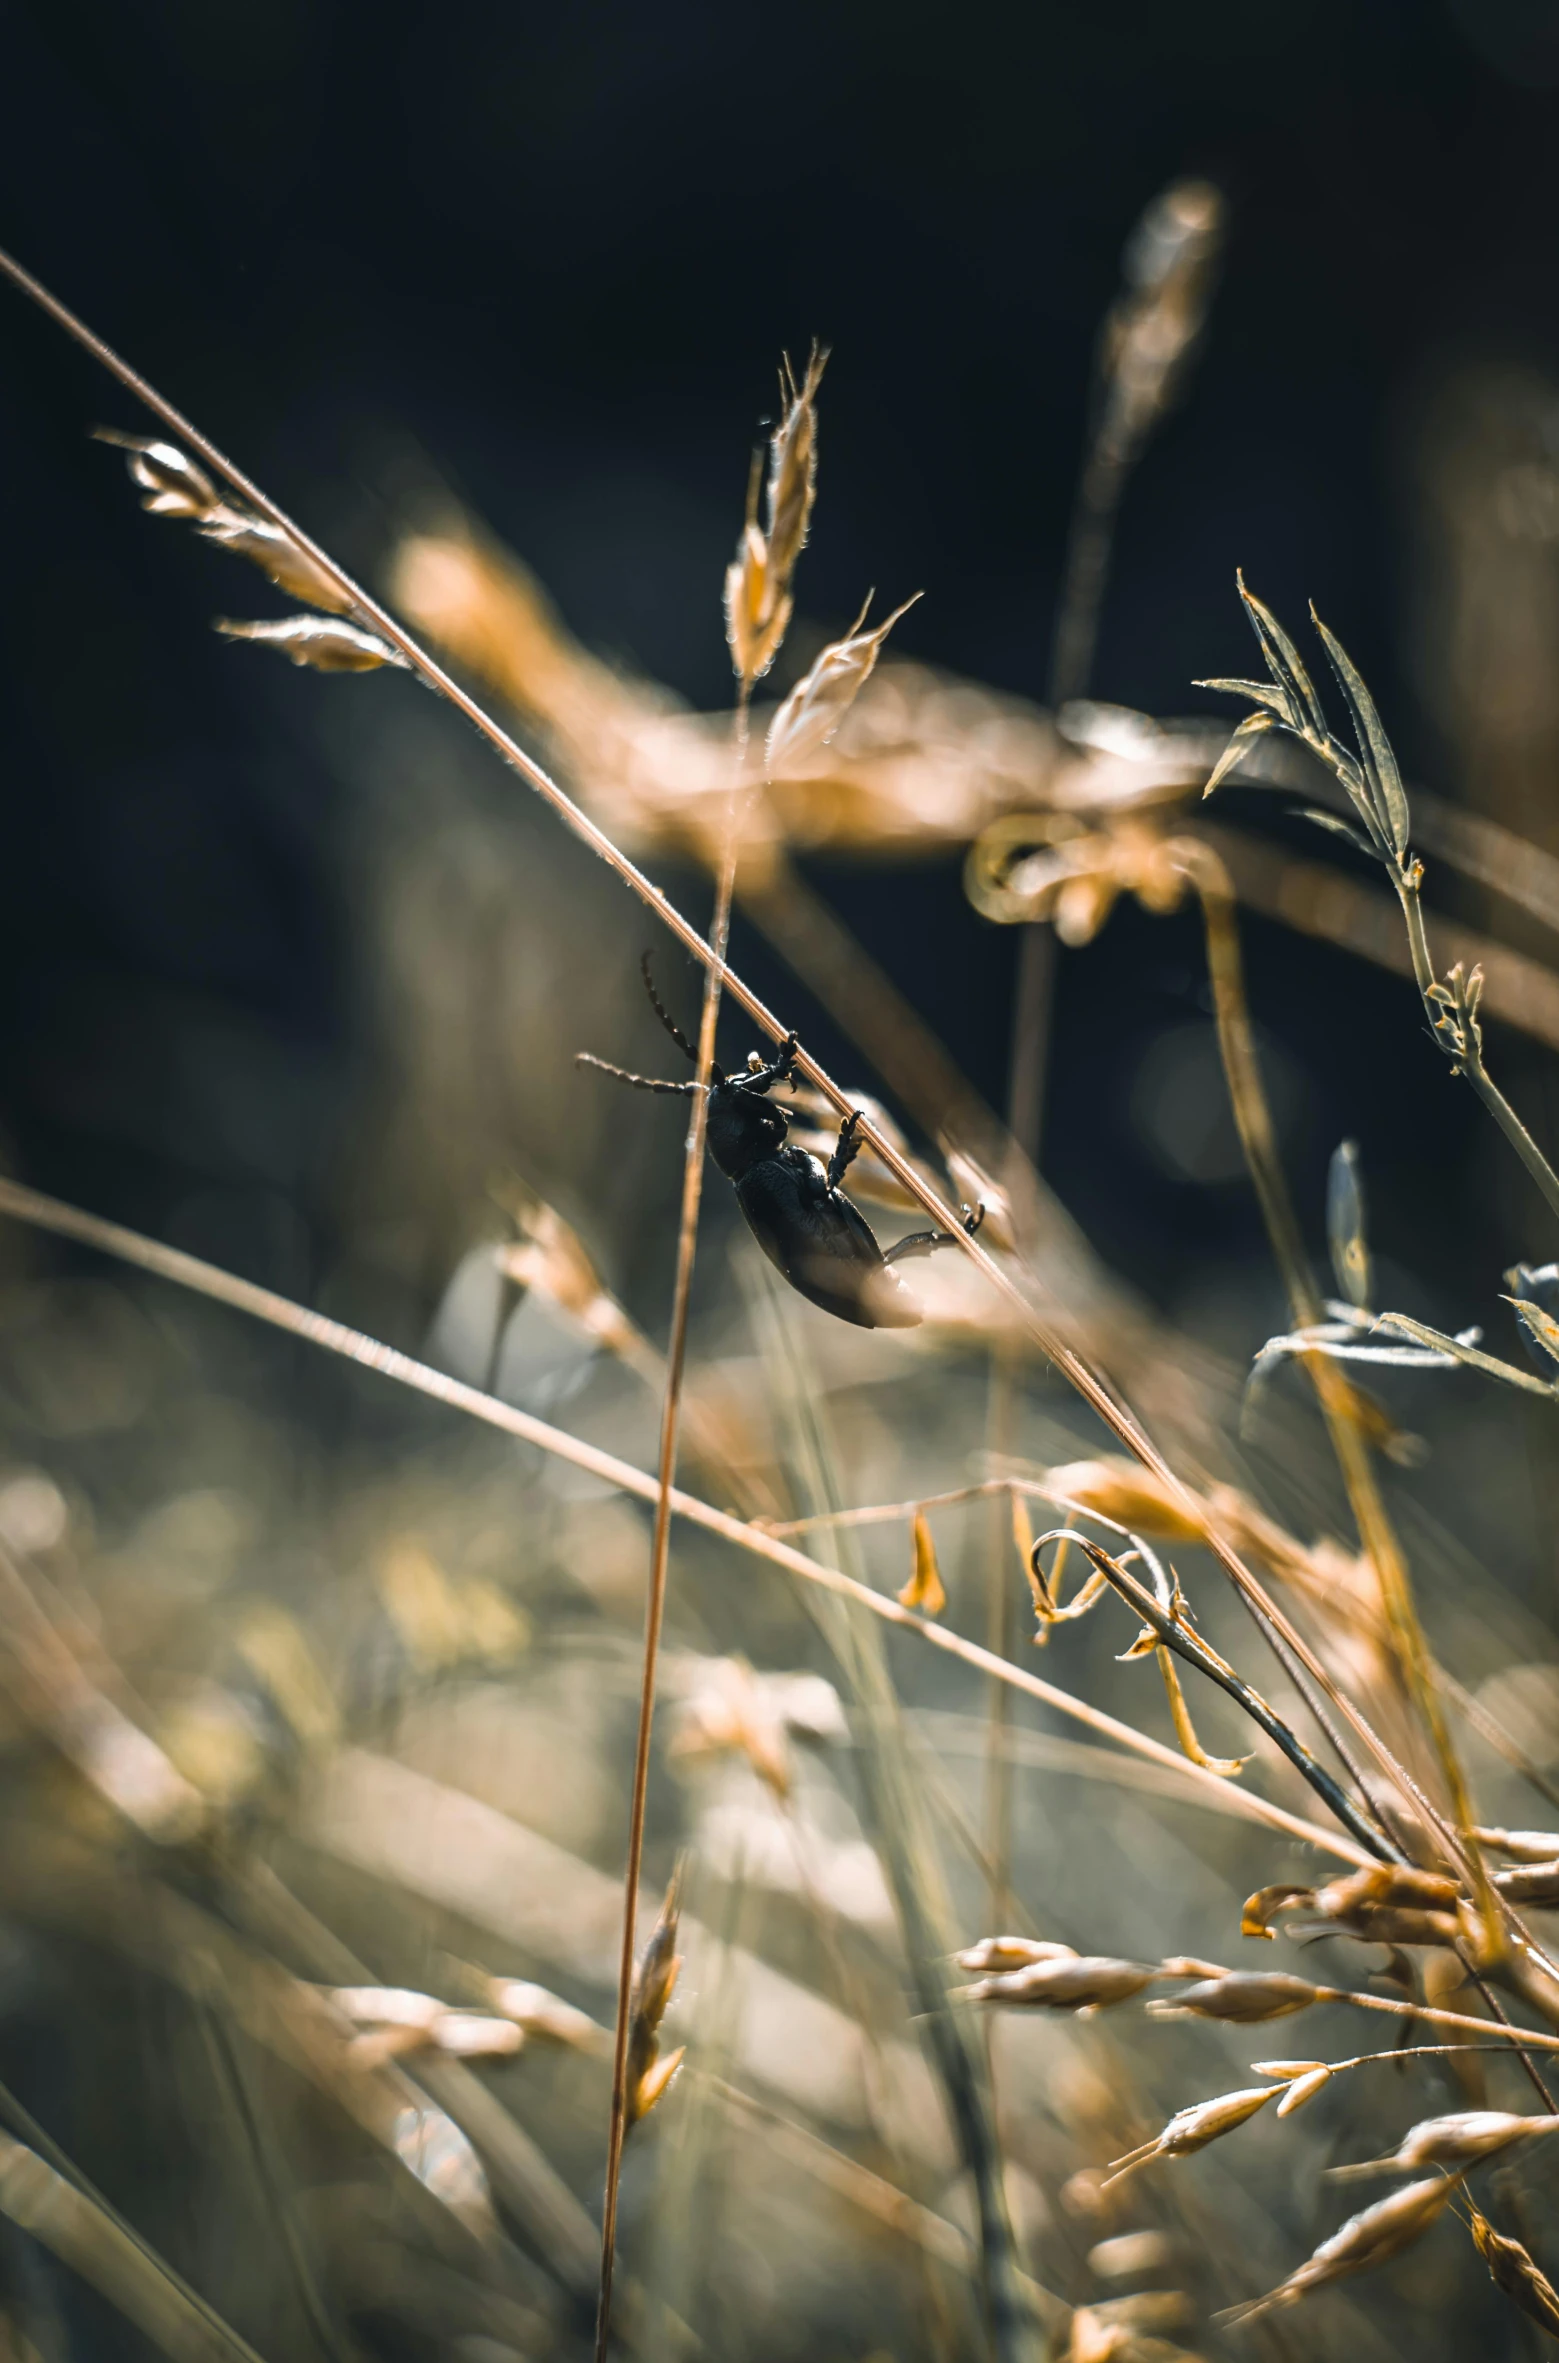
(660, 1550)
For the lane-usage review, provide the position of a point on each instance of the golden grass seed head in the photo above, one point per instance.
(1302, 2089)
(1513, 2269)
(654, 1978)
(792, 485)
(322, 643)
(1244, 1997)
(1462, 2139)
(1370, 2238)
(1001, 1953)
(811, 714)
(1133, 1497)
(1089, 1982)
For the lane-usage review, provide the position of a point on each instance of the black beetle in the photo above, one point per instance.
(809, 1230)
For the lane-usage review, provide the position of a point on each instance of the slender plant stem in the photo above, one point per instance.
(660, 1549)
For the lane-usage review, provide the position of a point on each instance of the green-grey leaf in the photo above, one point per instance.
(1374, 746)
(1345, 1224)
(1341, 828)
(1253, 726)
(1283, 659)
(1260, 693)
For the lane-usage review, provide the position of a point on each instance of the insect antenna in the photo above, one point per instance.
(664, 1014)
(585, 1058)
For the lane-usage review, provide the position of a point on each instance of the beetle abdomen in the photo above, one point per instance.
(822, 1244)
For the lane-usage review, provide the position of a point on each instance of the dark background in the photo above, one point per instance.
(553, 254)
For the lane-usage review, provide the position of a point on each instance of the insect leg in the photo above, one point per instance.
(847, 1149)
(927, 1242)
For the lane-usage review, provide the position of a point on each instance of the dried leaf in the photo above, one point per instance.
(1259, 1910)
(321, 642)
(1227, 1767)
(924, 1591)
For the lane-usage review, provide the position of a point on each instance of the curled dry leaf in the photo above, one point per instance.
(810, 715)
(321, 642)
(925, 1591)
(1512, 2269)
(1367, 2239)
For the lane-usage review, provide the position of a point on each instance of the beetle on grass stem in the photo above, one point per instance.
(809, 1230)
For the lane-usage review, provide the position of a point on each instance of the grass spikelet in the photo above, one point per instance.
(321, 643)
(821, 699)
(1460, 2141)
(1513, 2270)
(276, 554)
(758, 593)
(1193, 2128)
(654, 1980)
(174, 486)
(1367, 2239)
(1065, 1982)
(1243, 1997)
(925, 1591)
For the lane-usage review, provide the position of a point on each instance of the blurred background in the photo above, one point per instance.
(292, 974)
